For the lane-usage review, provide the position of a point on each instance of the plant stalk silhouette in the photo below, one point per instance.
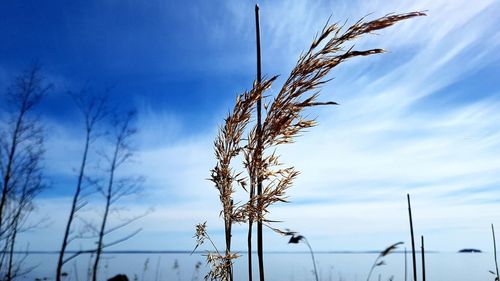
(412, 240)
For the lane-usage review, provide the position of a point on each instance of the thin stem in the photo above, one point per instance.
(314, 260)
(412, 241)
(76, 196)
(106, 210)
(213, 245)
(260, 247)
(249, 246)
(406, 265)
(158, 269)
(228, 242)
(495, 250)
(423, 259)
(373, 267)
(11, 253)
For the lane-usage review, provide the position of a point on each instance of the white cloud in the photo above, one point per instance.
(366, 154)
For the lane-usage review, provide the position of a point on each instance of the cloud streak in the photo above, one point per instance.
(389, 136)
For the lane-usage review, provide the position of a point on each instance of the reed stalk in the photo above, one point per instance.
(406, 265)
(313, 259)
(423, 258)
(260, 244)
(295, 239)
(412, 241)
(495, 251)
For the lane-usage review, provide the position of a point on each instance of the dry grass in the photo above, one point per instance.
(379, 260)
(284, 120)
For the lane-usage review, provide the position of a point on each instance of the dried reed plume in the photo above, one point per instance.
(220, 265)
(284, 121)
(227, 146)
(379, 260)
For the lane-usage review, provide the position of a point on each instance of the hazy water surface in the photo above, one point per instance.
(279, 266)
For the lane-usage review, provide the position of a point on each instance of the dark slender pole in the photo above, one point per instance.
(249, 246)
(228, 244)
(412, 241)
(423, 258)
(260, 247)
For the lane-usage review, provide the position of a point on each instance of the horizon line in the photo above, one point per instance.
(243, 252)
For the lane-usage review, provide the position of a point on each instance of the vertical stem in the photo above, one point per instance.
(314, 261)
(229, 224)
(9, 276)
(371, 269)
(406, 265)
(260, 247)
(3, 253)
(101, 235)
(495, 250)
(60, 261)
(106, 210)
(249, 246)
(158, 268)
(412, 241)
(423, 258)
(75, 270)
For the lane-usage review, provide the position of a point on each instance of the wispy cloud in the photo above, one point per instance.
(389, 136)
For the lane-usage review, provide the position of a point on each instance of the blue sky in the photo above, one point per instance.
(421, 119)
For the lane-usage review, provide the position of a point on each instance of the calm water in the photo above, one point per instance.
(279, 266)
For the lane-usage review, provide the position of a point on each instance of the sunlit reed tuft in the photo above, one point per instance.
(284, 120)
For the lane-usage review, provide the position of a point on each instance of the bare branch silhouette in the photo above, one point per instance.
(93, 109)
(21, 154)
(117, 187)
